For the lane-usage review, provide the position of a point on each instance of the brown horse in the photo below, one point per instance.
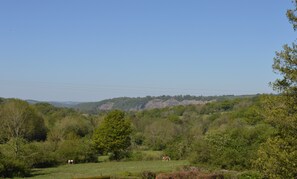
(165, 158)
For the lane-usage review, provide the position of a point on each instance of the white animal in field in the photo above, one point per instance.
(70, 161)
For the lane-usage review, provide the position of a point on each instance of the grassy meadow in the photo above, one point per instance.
(120, 169)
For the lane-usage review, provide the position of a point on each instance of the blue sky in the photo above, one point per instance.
(89, 50)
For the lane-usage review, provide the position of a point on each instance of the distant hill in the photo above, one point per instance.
(139, 103)
(134, 104)
(67, 104)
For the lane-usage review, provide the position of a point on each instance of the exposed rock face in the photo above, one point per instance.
(106, 107)
(155, 103)
(152, 104)
(148, 102)
(188, 102)
(158, 103)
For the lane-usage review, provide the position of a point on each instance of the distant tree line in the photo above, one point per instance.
(128, 104)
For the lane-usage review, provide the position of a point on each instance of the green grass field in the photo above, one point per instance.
(106, 169)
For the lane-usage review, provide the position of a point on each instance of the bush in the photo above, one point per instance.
(79, 150)
(136, 156)
(201, 153)
(148, 175)
(13, 161)
(189, 174)
(178, 149)
(120, 155)
(13, 168)
(145, 155)
(250, 175)
(42, 154)
(35, 154)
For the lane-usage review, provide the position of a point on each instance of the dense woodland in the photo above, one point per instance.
(223, 135)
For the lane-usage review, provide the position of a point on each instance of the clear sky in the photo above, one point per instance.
(89, 50)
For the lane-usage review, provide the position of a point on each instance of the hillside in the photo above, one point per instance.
(149, 102)
(138, 103)
(66, 104)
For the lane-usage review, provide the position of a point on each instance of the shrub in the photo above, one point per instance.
(137, 156)
(120, 155)
(250, 175)
(189, 174)
(148, 175)
(42, 154)
(79, 150)
(10, 168)
(145, 155)
(178, 149)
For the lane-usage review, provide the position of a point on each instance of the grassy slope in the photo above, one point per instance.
(106, 169)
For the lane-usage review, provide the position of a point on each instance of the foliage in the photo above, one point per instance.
(200, 153)
(132, 104)
(52, 114)
(113, 135)
(285, 64)
(42, 154)
(1, 100)
(73, 125)
(231, 141)
(219, 106)
(145, 155)
(250, 175)
(291, 14)
(23, 132)
(148, 175)
(14, 163)
(13, 168)
(79, 150)
(224, 134)
(277, 157)
(18, 119)
(179, 148)
(157, 136)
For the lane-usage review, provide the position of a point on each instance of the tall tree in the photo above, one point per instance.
(278, 156)
(113, 135)
(19, 120)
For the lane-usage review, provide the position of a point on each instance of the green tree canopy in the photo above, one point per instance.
(113, 134)
(19, 120)
(277, 158)
(291, 14)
